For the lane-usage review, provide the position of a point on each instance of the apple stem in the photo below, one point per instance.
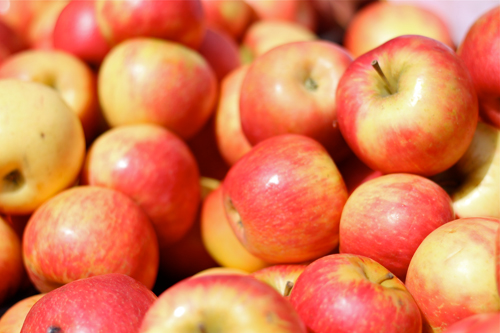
(386, 277)
(376, 66)
(288, 288)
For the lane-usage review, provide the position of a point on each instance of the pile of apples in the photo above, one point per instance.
(248, 166)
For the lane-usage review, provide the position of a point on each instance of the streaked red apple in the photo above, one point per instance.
(479, 323)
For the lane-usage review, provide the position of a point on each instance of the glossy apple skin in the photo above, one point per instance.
(284, 199)
(86, 231)
(178, 21)
(231, 141)
(229, 303)
(381, 21)
(452, 273)
(70, 76)
(11, 261)
(388, 217)
(479, 51)
(340, 293)
(427, 125)
(232, 17)
(277, 276)
(13, 319)
(155, 168)
(157, 81)
(291, 89)
(479, 323)
(105, 303)
(76, 31)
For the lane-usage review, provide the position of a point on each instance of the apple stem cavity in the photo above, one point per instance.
(54, 329)
(376, 66)
(12, 181)
(311, 84)
(386, 277)
(288, 288)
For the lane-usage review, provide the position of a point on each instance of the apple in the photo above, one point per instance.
(225, 303)
(452, 274)
(351, 293)
(264, 35)
(19, 15)
(220, 240)
(13, 319)
(232, 17)
(422, 120)
(155, 168)
(76, 31)
(86, 231)
(387, 218)
(177, 21)
(68, 75)
(481, 322)
(11, 42)
(41, 29)
(354, 172)
(284, 198)
(42, 144)
(11, 262)
(479, 50)
(106, 303)
(220, 271)
(381, 21)
(280, 277)
(291, 89)
(157, 81)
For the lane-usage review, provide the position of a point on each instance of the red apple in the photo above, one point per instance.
(41, 29)
(452, 273)
(422, 121)
(11, 262)
(226, 303)
(284, 198)
(280, 277)
(232, 17)
(86, 231)
(479, 323)
(13, 319)
(76, 31)
(480, 50)
(291, 89)
(178, 21)
(387, 218)
(349, 293)
(106, 303)
(157, 81)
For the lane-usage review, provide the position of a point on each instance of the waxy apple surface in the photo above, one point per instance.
(424, 122)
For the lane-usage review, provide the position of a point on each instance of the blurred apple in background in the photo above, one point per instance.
(284, 198)
(232, 17)
(452, 273)
(10, 42)
(18, 15)
(42, 144)
(280, 277)
(76, 31)
(226, 303)
(41, 29)
(479, 323)
(11, 262)
(68, 75)
(13, 319)
(106, 303)
(264, 35)
(177, 21)
(147, 80)
(349, 293)
(86, 231)
(480, 51)
(381, 21)
(291, 89)
(231, 141)
(422, 120)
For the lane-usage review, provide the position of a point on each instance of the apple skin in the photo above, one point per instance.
(42, 151)
(482, 322)
(106, 303)
(497, 261)
(41, 29)
(387, 218)
(157, 81)
(381, 21)
(72, 78)
(11, 262)
(291, 89)
(76, 31)
(342, 293)
(11, 42)
(284, 199)
(278, 276)
(452, 274)
(12, 320)
(423, 128)
(232, 17)
(19, 15)
(86, 231)
(479, 51)
(229, 303)
(178, 21)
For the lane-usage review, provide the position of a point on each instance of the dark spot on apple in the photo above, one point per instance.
(54, 329)
(42, 135)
